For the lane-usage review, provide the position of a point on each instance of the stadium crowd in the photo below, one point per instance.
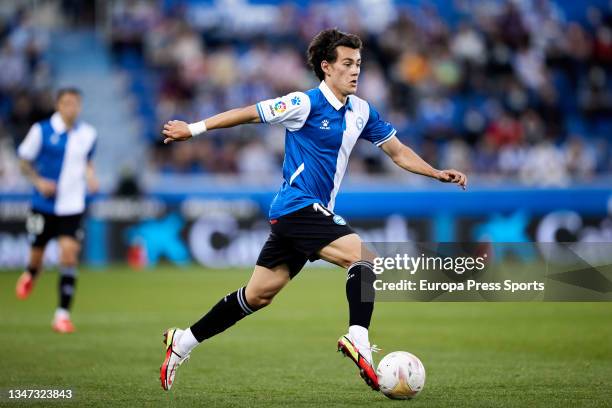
(26, 94)
(512, 89)
(503, 89)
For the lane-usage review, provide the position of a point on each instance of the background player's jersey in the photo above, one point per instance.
(321, 133)
(61, 156)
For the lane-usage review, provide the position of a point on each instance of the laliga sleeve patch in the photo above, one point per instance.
(280, 107)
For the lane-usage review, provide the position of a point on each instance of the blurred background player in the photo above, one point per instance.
(322, 127)
(56, 157)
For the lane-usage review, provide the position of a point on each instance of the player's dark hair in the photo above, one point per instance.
(323, 48)
(68, 91)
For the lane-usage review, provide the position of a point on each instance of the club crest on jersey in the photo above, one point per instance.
(324, 124)
(359, 123)
(280, 107)
(339, 220)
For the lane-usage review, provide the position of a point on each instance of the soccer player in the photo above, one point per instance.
(56, 157)
(322, 126)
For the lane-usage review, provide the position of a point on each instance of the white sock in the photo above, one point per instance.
(62, 313)
(187, 342)
(359, 335)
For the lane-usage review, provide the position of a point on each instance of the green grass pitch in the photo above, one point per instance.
(476, 354)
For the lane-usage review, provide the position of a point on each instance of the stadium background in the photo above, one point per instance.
(516, 94)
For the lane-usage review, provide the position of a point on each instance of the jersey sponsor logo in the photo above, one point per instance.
(295, 101)
(359, 123)
(324, 124)
(339, 220)
(280, 107)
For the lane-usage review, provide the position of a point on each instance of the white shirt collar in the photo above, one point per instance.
(58, 124)
(331, 98)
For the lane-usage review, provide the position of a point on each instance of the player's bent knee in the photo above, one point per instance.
(351, 259)
(348, 258)
(264, 284)
(69, 260)
(258, 302)
(69, 253)
(344, 251)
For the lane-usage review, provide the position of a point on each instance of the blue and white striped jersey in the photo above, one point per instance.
(61, 156)
(321, 133)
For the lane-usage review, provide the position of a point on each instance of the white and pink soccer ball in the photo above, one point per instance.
(401, 375)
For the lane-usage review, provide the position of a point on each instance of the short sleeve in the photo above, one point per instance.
(377, 130)
(30, 147)
(290, 110)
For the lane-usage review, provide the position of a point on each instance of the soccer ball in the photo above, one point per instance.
(401, 375)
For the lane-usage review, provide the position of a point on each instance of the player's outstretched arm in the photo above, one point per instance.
(176, 130)
(408, 160)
